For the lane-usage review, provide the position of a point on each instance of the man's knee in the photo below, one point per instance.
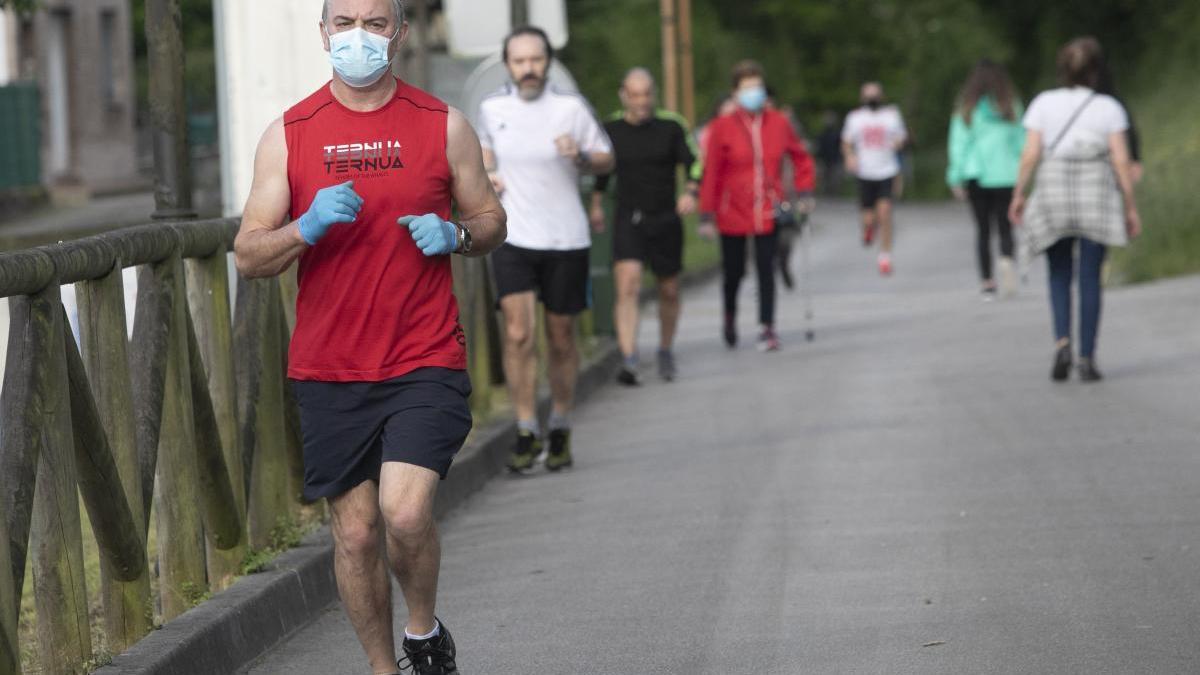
(407, 521)
(560, 338)
(356, 537)
(627, 291)
(518, 336)
(668, 291)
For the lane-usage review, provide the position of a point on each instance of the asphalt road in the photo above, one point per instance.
(907, 494)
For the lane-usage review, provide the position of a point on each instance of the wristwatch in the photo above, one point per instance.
(583, 158)
(464, 240)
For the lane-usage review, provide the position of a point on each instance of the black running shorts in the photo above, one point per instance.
(351, 428)
(560, 279)
(656, 240)
(871, 192)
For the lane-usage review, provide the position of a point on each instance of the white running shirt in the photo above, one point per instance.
(1087, 137)
(541, 188)
(874, 135)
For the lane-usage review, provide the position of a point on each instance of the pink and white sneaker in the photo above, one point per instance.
(885, 264)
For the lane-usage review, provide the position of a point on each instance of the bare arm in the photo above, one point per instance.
(1118, 146)
(1030, 156)
(599, 162)
(267, 243)
(849, 158)
(478, 205)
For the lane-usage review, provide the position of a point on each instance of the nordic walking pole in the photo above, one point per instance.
(806, 276)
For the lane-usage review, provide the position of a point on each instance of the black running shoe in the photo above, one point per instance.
(434, 656)
(559, 456)
(666, 365)
(525, 453)
(1062, 364)
(1088, 371)
(628, 377)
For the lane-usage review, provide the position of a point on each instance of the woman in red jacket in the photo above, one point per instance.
(742, 188)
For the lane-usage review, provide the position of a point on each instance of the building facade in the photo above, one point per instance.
(80, 55)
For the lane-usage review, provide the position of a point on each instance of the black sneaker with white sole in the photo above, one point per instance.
(434, 656)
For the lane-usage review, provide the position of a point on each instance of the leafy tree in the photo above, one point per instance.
(19, 5)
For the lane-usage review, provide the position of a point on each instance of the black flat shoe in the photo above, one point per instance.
(1062, 364)
(1088, 371)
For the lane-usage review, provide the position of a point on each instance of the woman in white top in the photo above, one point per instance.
(1083, 194)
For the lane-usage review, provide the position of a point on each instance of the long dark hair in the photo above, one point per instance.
(988, 78)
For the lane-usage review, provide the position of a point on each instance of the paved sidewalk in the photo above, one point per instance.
(907, 494)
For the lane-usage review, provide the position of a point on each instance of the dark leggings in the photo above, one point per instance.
(1061, 259)
(733, 262)
(990, 206)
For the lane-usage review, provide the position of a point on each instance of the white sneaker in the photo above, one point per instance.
(1008, 277)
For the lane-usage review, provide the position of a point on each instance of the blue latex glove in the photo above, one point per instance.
(335, 204)
(432, 235)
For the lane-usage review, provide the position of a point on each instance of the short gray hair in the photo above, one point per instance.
(639, 71)
(397, 9)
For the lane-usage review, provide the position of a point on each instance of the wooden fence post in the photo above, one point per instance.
(56, 538)
(208, 299)
(260, 406)
(10, 654)
(128, 614)
(151, 328)
(293, 442)
(176, 490)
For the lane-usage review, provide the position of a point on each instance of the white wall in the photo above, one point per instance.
(269, 57)
(6, 45)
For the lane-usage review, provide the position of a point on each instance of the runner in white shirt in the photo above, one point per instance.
(871, 137)
(536, 142)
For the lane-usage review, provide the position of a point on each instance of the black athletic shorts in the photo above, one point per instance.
(656, 240)
(871, 191)
(560, 279)
(351, 428)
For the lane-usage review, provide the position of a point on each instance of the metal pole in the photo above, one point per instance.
(168, 111)
(687, 68)
(520, 13)
(669, 56)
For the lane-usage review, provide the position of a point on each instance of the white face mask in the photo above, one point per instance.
(360, 57)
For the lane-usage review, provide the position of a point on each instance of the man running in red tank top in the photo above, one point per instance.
(356, 183)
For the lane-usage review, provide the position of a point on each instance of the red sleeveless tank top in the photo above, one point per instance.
(371, 306)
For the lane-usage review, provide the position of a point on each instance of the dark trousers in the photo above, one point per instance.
(733, 263)
(1061, 259)
(990, 206)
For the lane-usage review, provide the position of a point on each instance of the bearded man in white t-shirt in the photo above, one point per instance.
(871, 137)
(537, 141)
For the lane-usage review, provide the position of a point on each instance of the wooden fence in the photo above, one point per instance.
(190, 420)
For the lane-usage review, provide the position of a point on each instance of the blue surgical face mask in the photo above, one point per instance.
(359, 56)
(752, 98)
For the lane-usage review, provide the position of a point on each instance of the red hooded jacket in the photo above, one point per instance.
(743, 170)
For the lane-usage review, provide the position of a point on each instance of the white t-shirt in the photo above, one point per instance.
(541, 188)
(1087, 137)
(875, 135)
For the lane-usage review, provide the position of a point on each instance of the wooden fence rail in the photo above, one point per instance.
(187, 426)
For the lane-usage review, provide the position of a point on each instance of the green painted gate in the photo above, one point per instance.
(20, 137)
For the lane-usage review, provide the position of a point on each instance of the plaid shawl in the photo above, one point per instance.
(1075, 198)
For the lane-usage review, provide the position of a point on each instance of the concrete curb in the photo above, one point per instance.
(228, 632)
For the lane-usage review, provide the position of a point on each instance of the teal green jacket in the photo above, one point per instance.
(988, 149)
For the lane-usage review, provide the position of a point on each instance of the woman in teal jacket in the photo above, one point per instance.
(985, 145)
